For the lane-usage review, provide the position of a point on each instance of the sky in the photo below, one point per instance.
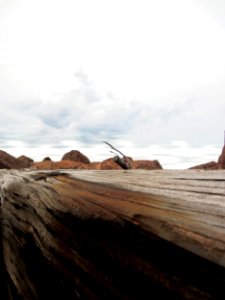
(147, 76)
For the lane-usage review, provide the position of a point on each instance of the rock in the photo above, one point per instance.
(47, 159)
(24, 161)
(221, 160)
(212, 165)
(65, 164)
(109, 164)
(8, 161)
(76, 155)
(146, 164)
(94, 165)
(42, 165)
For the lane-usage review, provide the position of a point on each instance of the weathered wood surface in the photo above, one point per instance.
(131, 234)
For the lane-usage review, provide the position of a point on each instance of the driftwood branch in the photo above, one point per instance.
(111, 146)
(123, 162)
(112, 235)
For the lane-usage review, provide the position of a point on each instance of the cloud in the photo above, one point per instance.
(140, 84)
(81, 115)
(197, 117)
(83, 118)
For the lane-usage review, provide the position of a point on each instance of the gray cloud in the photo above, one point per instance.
(83, 118)
(82, 115)
(87, 117)
(155, 81)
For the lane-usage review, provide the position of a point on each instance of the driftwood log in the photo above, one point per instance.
(112, 235)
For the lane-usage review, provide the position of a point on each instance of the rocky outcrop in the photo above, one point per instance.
(24, 161)
(76, 155)
(54, 165)
(73, 160)
(221, 160)
(109, 164)
(8, 161)
(94, 165)
(146, 164)
(212, 165)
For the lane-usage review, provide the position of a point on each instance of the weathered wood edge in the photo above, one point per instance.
(198, 197)
(157, 202)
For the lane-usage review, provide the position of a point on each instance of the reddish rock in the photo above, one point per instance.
(94, 166)
(46, 165)
(109, 164)
(24, 161)
(8, 161)
(65, 164)
(75, 155)
(146, 164)
(221, 160)
(212, 165)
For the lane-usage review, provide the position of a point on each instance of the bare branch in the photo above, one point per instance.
(107, 143)
(123, 162)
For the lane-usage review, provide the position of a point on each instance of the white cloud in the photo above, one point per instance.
(147, 73)
(82, 119)
(140, 49)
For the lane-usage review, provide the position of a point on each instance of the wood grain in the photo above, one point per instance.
(113, 234)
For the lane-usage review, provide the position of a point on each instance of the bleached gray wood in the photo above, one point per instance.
(181, 209)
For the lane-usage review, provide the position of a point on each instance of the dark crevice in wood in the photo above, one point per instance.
(3, 274)
(159, 257)
(200, 179)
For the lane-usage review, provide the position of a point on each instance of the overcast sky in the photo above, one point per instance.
(146, 75)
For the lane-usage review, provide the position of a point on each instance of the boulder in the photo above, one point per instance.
(77, 156)
(8, 161)
(24, 161)
(212, 165)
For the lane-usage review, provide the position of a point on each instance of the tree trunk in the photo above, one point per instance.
(112, 234)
